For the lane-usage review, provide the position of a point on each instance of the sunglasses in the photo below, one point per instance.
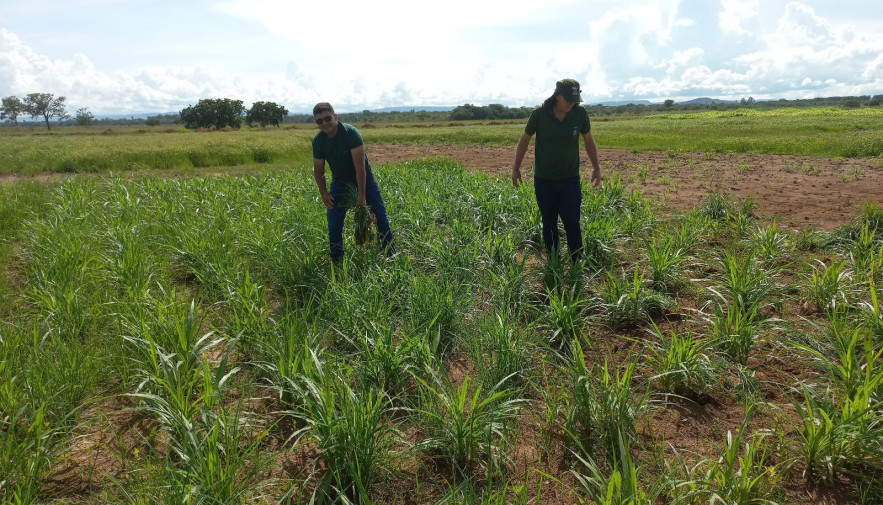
(326, 119)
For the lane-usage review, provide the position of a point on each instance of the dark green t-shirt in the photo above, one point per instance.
(557, 143)
(336, 151)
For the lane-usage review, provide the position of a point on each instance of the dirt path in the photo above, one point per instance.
(800, 191)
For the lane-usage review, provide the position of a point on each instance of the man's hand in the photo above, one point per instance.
(516, 177)
(328, 200)
(596, 177)
(361, 201)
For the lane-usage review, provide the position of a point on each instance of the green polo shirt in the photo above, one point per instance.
(557, 143)
(336, 152)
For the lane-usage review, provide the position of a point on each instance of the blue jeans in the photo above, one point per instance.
(337, 216)
(560, 197)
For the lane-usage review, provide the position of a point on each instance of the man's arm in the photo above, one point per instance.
(359, 162)
(520, 151)
(592, 151)
(319, 175)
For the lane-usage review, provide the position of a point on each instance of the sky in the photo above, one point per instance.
(143, 56)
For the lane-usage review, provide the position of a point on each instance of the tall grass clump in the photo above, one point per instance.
(564, 318)
(741, 475)
(434, 308)
(353, 432)
(622, 484)
(60, 259)
(666, 264)
(45, 380)
(629, 302)
(465, 425)
(839, 418)
(771, 245)
(828, 286)
(680, 362)
(604, 404)
(744, 291)
(18, 201)
(295, 351)
(500, 352)
(389, 362)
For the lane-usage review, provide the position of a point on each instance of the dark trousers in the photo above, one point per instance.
(560, 198)
(337, 216)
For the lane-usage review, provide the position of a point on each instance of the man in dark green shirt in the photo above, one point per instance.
(341, 146)
(558, 125)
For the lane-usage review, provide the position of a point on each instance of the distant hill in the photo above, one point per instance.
(134, 115)
(415, 108)
(622, 102)
(706, 101)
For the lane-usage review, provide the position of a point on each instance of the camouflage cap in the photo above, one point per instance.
(569, 89)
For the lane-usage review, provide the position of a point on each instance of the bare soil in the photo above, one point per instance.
(797, 191)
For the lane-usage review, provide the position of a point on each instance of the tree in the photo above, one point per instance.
(213, 113)
(84, 117)
(12, 107)
(668, 103)
(264, 113)
(45, 105)
(468, 111)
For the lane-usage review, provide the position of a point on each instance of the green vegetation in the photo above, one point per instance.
(195, 330)
(814, 132)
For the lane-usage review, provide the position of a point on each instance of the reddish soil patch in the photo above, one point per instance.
(798, 191)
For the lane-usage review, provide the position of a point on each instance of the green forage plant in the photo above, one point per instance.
(624, 485)
(563, 318)
(465, 425)
(353, 433)
(772, 246)
(827, 286)
(603, 404)
(629, 302)
(679, 362)
(741, 475)
(744, 286)
(736, 332)
(666, 264)
(501, 352)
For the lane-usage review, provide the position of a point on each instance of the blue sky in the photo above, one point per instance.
(135, 56)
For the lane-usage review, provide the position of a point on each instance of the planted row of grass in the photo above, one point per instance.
(266, 374)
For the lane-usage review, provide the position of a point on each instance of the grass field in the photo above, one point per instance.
(186, 340)
(826, 132)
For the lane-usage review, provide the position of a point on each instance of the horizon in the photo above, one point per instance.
(434, 108)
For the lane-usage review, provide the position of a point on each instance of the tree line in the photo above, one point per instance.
(229, 113)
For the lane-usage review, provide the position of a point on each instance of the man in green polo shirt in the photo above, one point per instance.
(558, 125)
(341, 146)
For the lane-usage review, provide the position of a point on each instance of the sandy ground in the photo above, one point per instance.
(798, 191)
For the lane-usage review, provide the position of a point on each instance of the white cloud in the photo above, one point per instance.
(734, 13)
(401, 53)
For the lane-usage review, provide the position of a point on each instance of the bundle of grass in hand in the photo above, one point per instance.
(364, 220)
